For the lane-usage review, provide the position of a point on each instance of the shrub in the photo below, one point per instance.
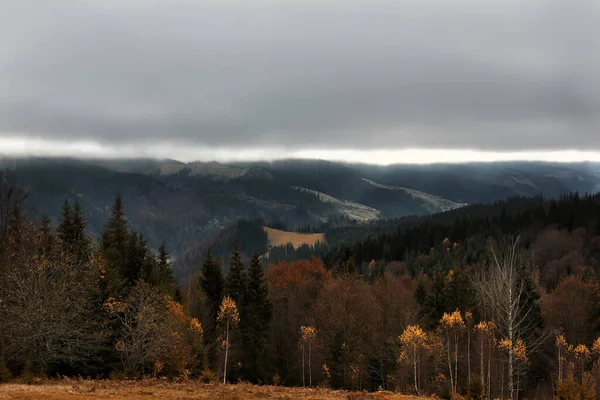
(30, 375)
(475, 389)
(208, 376)
(276, 379)
(5, 374)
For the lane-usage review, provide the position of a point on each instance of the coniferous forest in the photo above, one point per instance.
(489, 301)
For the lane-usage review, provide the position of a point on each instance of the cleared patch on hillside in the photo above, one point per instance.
(432, 202)
(353, 210)
(277, 237)
(160, 389)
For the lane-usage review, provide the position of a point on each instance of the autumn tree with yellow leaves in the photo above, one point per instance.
(228, 317)
(452, 324)
(308, 336)
(413, 342)
(485, 330)
(575, 358)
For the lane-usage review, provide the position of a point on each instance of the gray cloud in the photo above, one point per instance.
(491, 75)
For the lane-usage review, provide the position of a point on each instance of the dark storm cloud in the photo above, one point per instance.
(493, 75)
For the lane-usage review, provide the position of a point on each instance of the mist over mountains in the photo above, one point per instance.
(184, 204)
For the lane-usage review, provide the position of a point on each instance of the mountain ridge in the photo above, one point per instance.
(184, 208)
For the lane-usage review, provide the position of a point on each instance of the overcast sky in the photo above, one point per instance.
(334, 79)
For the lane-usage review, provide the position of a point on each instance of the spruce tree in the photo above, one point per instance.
(161, 274)
(211, 283)
(65, 228)
(236, 282)
(437, 303)
(255, 322)
(114, 246)
(81, 243)
(135, 261)
(116, 232)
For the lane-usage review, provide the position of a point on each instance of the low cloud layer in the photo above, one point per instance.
(498, 75)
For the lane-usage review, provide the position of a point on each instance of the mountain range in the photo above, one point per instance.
(183, 204)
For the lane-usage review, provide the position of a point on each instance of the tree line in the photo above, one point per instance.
(466, 315)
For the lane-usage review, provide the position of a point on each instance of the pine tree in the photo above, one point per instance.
(211, 283)
(161, 275)
(135, 262)
(81, 243)
(114, 247)
(437, 303)
(255, 322)
(236, 285)
(116, 232)
(65, 228)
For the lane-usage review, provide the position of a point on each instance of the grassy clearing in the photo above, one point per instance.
(160, 389)
(353, 210)
(279, 238)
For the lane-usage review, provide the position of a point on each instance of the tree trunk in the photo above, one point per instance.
(489, 369)
(303, 369)
(455, 361)
(309, 364)
(481, 366)
(449, 361)
(511, 343)
(469, 353)
(559, 364)
(415, 369)
(226, 352)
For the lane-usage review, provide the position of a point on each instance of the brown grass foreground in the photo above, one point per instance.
(158, 389)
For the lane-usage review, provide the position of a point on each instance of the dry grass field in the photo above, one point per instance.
(158, 389)
(278, 238)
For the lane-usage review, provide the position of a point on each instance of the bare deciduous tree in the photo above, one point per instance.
(46, 310)
(504, 298)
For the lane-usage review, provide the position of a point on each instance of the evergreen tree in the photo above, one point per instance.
(116, 232)
(81, 243)
(65, 228)
(136, 262)
(113, 244)
(163, 271)
(161, 275)
(236, 284)
(347, 265)
(211, 283)
(255, 322)
(437, 303)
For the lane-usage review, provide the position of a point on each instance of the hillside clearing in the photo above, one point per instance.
(277, 237)
(433, 203)
(158, 389)
(353, 210)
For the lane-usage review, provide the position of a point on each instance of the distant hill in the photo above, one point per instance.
(187, 204)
